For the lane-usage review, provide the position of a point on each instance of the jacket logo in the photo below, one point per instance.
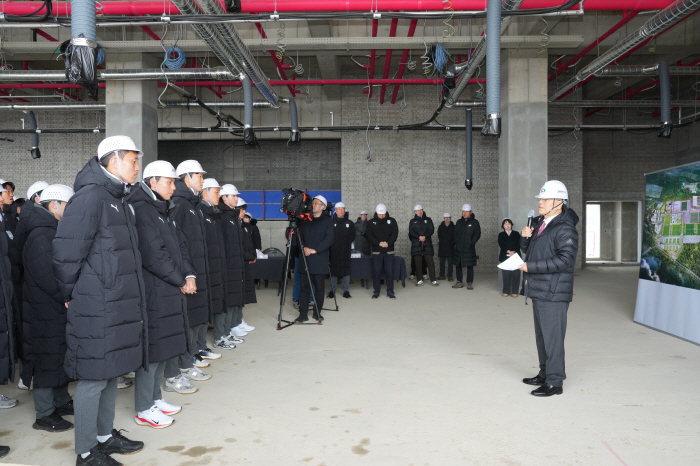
(570, 241)
(347, 226)
(132, 210)
(469, 225)
(192, 212)
(161, 219)
(115, 207)
(388, 222)
(208, 220)
(231, 222)
(174, 224)
(425, 221)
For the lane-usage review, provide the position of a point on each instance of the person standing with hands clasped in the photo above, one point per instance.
(467, 233)
(509, 243)
(551, 247)
(382, 233)
(341, 250)
(420, 232)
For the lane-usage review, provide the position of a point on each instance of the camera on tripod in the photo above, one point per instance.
(296, 204)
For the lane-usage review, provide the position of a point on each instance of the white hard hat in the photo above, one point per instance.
(114, 143)
(467, 208)
(14, 198)
(36, 188)
(228, 190)
(340, 204)
(159, 168)
(240, 202)
(553, 189)
(447, 215)
(418, 207)
(364, 212)
(189, 166)
(2, 190)
(210, 183)
(2, 182)
(248, 214)
(56, 192)
(381, 209)
(322, 199)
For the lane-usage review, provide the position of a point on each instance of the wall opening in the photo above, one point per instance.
(613, 232)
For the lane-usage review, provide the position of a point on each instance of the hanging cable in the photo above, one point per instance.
(174, 58)
(281, 46)
(448, 7)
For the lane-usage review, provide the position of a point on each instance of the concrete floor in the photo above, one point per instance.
(432, 378)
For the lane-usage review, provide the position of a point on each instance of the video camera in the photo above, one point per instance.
(296, 204)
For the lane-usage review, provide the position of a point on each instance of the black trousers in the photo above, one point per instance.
(470, 274)
(319, 281)
(383, 262)
(428, 261)
(550, 330)
(442, 266)
(511, 281)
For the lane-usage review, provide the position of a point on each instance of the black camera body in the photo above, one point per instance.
(296, 204)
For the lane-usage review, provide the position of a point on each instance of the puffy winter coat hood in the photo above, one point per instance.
(417, 227)
(382, 229)
(94, 174)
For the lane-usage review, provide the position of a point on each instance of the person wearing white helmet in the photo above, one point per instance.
(102, 291)
(43, 315)
(361, 244)
(446, 245)
(166, 281)
(382, 233)
(467, 233)
(316, 239)
(551, 246)
(34, 191)
(420, 232)
(341, 250)
(250, 257)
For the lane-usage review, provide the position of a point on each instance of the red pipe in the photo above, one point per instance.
(150, 32)
(45, 35)
(373, 54)
(136, 8)
(622, 22)
(292, 89)
(404, 57)
(387, 61)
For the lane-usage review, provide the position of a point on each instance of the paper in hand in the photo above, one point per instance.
(512, 263)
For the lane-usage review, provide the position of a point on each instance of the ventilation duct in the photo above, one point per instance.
(492, 126)
(80, 53)
(36, 153)
(665, 87)
(248, 133)
(295, 136)
(468, 132)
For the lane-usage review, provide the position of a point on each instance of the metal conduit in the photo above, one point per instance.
(599, 103)
(645, 70)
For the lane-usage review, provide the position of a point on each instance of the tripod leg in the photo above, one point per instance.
(286, 278)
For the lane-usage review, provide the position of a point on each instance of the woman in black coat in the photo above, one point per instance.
(361, 243)
(509, 243)
(341, 250)
(249, 256)
(420, 232)
(446, 246)
(467, 233)
(7, 349)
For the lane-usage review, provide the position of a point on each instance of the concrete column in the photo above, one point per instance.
(522, 147)
(132, 105)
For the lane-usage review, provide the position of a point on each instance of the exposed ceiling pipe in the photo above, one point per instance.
(597, 103)
(80, 54)
(492, 125)
(645, 70)
(665, 88)
(478, 54)
(468, 180)
(387, 60)
(653, 26)
(373, 54)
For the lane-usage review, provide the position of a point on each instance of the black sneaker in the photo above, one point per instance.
(52, 423)
(375, 295)
(347, 295)
(66, 409)
(391, 295)
(97, 457)
(301, 320)
(4, 451)
(331, 295)
(117, 443)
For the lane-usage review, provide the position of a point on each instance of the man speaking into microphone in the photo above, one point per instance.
(551, 245)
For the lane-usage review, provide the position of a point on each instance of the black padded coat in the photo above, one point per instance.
(551, 259)
(466, 234)
(14, 252)
(446, 239)
(233, 244)
(340, 250)
(255, 232)
(417, 227)
(249, 254)
(43, 308)
(194, 250)
(507, 243)
(361, 243)
(7, 341)
(97, 266)
(316, 234)
(382, 229)
(163, 273)
(216, 256)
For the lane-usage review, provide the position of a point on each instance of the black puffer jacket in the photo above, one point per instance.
(340, 250)
(43, 309)
(7, 341)
(255, 232)
(233, 243)
(163, 273)
(194, 252)
(466, 234)
(98, 269)
(316, 234)
(382, 229)
(216, 255)
(551, 259)
(417, 227)
(14, 252)
(361, 243)
(446, 239)
(249, 254)
(507, 243)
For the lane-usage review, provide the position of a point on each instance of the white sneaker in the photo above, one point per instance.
(224, 344)
(130, 375)
(166, 408)
(124, 383)
(6, 402)
(234, 340)
(209, 354)
(199, 362)
(195, 374)
(435, 283)
(412, 277)
(180, 385)
(246, 327)
(154, 417)
(238, 332)
(21, 385)
(419, 283)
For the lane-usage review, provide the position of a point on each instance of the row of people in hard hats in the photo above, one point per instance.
(123, 277)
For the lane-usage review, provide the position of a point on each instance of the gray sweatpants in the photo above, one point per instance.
(199, 337)
(220, 329)
(173, 366)
(147, 386)
(346, 283)
(48, 399)
(235, 316)
(550, 330)
(94, 402)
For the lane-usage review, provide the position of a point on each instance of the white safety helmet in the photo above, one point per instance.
(467, 208)
(447, 215)
(364, 212)
(381, 209)
(249, 215)
(340, 204)
(228, 190)
(2, 189)
(322, 199)
(241, 202)
(417, 207)
(553, 189)
(159, 168)
(36, 188)
(56, 192)
(116, 143)
(210, 183)
(189, 166)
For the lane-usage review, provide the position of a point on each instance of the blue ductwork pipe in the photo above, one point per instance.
(492, 126)
(665, 86)
(80, 53)
(295, 137)
(468, 182)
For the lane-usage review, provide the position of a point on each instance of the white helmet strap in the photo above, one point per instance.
(58, 209)
(196, 193)
(119, 168)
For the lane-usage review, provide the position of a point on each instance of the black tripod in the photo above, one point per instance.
(293, 227)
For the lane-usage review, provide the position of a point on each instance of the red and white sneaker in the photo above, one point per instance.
(167, 408)
(153, 418)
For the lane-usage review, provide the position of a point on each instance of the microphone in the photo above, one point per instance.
(530, 218)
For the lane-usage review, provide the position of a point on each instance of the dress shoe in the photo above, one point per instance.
(4, 450)
(548, 390)
(331, 295)
(535, 381)
(346, 294)
(117, 443)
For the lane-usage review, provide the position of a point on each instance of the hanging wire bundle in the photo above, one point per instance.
(174, 58)
(100, 55)
(446, 22)
(435, 60)
(281, 46)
